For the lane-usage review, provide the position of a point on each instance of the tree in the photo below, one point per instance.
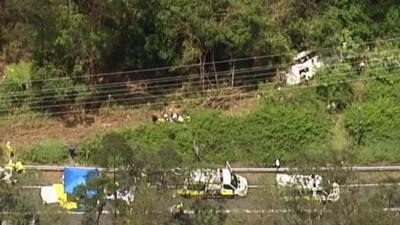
(117, 153)
(92, 199)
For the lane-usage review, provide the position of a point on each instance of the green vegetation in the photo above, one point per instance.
(50, 71)
(64, 59)
(16, 82)
(72, 39)
(264, 135)
(374, 125)
(48, 151)
(341, 119)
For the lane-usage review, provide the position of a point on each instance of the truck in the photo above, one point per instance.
(309, 187)
(303, 68)
(214, 183)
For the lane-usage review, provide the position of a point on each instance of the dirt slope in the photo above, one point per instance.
(22, 135)
(25, 134)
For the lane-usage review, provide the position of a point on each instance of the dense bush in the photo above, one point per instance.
(48, 151)
(334, 85)
(16, 82)
(90, 147)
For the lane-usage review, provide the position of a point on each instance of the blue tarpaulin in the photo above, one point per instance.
(73, 177)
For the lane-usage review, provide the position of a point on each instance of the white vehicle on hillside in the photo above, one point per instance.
(303, 68)
(309, 186)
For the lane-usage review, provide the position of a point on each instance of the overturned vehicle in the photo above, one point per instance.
(309, 187)
(303, 68)
(213, 183)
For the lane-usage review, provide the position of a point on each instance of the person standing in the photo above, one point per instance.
(10, 150)
(277, 164)
(72, 152)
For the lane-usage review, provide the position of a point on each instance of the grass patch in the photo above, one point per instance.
(48, 151)
(27, 117)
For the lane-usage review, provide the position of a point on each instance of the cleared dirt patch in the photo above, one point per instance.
(242, 107)
(22, 135)
(27, 133)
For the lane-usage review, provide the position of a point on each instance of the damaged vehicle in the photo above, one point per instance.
(309, 187)
(303, 68)
(211, 183)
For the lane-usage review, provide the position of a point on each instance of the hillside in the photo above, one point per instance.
(157, 89)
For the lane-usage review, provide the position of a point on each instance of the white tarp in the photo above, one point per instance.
(49, 194)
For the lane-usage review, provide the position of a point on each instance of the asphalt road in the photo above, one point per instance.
(264, 197)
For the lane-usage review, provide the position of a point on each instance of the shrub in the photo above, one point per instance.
(48, 151)
(334, 86)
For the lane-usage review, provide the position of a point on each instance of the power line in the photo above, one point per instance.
(230, 95)
(134, 98)
(125, 91)
(180, 78)
(139, 98)
(117, 93)
(241, 95)
(208, 63)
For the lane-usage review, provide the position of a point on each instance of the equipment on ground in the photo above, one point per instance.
(309, 187)
(209, 183)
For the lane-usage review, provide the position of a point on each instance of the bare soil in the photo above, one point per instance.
(26, 134)
(241, 107)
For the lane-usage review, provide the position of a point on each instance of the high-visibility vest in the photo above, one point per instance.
(10, 150)
(19, 167)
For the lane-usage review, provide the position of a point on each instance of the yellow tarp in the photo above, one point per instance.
(62, 196)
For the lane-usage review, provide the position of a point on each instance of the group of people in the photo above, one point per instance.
(177, 210)
(170, 117)
(7, 172)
